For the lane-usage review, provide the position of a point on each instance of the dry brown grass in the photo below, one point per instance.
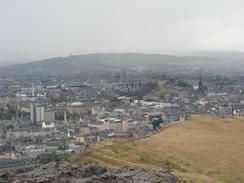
(204, 149)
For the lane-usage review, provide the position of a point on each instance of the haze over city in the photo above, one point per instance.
(34, 30)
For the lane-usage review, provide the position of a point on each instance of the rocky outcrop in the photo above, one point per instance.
(66, 172)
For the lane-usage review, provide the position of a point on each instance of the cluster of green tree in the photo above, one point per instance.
(5, 115)
(61, 99)
(144, 89)
(114, 99)
(59, 115)
(73, 115)
(69, 115)
(156, 122)
(61, 147)
(10, 111)
(183, 84)
(52, 157)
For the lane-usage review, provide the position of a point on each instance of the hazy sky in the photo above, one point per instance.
(36, 29)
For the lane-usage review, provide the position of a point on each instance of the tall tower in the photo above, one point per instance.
(37, 113)
(65, 117)
(32, 90)
(17, 117)
(200, 83)
(40, 113)
(124, 76)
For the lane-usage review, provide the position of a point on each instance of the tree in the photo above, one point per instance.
(156, 122)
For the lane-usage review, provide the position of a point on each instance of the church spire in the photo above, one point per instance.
(200, 83)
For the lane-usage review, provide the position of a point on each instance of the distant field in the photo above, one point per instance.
(203, 149)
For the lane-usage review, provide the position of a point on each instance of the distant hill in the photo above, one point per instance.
(91, 62)
(203, 149)
(233, 54)
(81, 64)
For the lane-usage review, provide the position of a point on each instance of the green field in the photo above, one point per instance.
(203, 149)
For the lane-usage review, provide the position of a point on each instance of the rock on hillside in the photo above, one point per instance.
(66, 172)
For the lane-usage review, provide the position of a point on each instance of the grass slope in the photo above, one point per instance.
(204, 149)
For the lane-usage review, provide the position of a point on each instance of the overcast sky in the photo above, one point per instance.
(37, 29)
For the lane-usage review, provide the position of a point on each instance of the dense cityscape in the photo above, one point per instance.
(54, 116)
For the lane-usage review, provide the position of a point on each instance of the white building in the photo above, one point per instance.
(37, 113)
(44, 125)
(40, 113)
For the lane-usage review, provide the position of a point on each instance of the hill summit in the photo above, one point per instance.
(203, 149)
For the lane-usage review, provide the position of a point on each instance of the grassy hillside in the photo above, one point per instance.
(204, 149)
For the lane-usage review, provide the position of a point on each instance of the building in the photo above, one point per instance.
(200, 84)
(37, 113)
(49, 116)
(49, 126)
